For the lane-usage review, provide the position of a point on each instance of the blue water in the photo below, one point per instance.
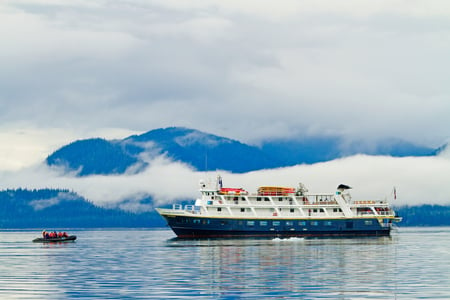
(414, 263)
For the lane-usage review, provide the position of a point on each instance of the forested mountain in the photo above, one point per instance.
(205, 151)
(52, 208)
(94, 156)
(200, 150)
(319, 149)
(424, 215)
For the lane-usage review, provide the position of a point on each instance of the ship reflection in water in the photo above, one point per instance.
(295, 267)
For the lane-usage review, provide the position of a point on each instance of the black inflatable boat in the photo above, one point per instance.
(57, 239)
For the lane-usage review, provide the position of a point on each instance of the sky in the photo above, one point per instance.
(247, 70)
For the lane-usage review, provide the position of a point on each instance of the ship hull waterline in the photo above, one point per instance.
(189, 227)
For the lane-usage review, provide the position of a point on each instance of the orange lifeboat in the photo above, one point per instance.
(232, 191)
(275, 191)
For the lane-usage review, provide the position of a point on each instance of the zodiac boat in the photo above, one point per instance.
(70, 238)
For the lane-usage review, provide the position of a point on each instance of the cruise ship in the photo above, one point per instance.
(274, 211)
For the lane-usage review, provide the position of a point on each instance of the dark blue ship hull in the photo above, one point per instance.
(203, 227)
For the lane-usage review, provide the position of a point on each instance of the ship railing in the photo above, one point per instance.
(384, 213)
(364, 213)
(272, 203)
(321, 203)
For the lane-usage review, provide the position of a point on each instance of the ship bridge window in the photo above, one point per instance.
(266, 199)
(219, 209)
(292, 210)
(258, 198)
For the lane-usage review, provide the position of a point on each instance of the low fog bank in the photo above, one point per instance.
(418, 180)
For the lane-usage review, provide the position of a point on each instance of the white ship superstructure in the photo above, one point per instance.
(278, 211)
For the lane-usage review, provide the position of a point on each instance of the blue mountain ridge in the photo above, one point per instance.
(208, 152)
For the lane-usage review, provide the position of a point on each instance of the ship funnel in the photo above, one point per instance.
(343, 187)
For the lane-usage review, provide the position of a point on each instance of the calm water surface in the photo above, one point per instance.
(140, 264)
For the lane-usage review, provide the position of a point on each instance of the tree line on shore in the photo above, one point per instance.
(60, 208)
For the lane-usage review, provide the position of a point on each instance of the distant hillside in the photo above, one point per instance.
(307, 150)
(319, 149)
(94, 156)
(424, 215)
(51, 208)
(205, 151)
(200, 150)
(210, 152)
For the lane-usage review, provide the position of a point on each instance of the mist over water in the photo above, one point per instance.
(152, 264)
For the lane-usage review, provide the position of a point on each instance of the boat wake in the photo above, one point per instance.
(291, 239)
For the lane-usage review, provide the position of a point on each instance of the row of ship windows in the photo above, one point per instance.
(315, 210)
(236, 198)
(252, 223)
(267, 199)
(257, 198)
(291, 223)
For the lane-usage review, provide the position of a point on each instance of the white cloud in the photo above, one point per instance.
(418, 180)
